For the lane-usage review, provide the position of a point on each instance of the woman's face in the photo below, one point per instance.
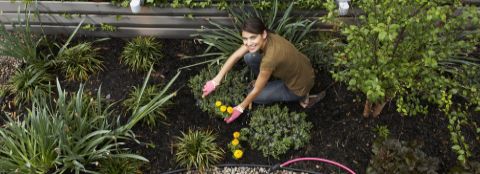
(253, 42)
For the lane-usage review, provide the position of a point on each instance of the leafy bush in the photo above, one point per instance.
(393, 156)
(148, 94)
(231, 92)
(273, 130)
(416, 52)
(141, 53)
(79, 61)
(398, 51)
(25, 81)
(198, 149)
(226, 40)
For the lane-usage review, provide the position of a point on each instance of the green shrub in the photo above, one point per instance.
(198, 149)
(393, 156)
(274, 131)
(80, 61)
(148, 94)
(119, 166)
(416, 53)
(25, 81)
(141, 53)
(230, 93)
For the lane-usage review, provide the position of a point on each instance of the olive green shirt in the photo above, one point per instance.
(288, 64)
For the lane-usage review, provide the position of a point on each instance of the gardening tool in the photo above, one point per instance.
(336, 164)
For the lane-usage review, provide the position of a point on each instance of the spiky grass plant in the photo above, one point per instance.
(141, 53)
(31, 145)
(120, 166)
(25, 81)
(198, 149)
(21, 43)
(148, 94)
(69, 133)
(80, 61)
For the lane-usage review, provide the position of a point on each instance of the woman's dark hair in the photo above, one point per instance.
(253, 25)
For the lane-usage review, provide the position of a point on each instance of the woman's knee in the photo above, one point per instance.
(251, 58)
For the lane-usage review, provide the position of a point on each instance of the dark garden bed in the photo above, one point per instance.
(339, 132)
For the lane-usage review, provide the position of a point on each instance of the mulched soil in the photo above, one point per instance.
(340, 133)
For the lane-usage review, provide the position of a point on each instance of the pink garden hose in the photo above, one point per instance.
(318, 159)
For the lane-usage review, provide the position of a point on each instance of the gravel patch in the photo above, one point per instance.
(8, 66)
(243, 170)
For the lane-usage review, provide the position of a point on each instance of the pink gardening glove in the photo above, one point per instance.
(208, 88)
(237, 111)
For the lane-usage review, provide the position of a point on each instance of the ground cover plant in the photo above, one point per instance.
(229, 94)
(274, 130)
(336, 129)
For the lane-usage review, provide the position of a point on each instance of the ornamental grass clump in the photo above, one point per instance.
(148, 94)
(28, 81)
(197, 149)
(119, 166)
(274, 131)
(80, 61)
(227, 95)
(141, 53)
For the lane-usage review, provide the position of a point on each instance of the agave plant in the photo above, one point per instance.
(79, 61)
(223, 41)
(198, 149)
(141, 53)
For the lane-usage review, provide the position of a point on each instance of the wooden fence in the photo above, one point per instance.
(62, 17)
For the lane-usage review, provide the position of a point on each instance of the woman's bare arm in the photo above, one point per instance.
(237, 55)
(260, 83)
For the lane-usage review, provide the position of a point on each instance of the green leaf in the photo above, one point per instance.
(456, 147)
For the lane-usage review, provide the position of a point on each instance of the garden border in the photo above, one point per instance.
(63, 17)
(162, 22)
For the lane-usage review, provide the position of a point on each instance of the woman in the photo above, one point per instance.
(268, 54)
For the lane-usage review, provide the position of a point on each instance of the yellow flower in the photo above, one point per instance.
(229, 109)
(238, 154)
(223, 108)
(218, 103)
(235, 142)
(236, 134)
